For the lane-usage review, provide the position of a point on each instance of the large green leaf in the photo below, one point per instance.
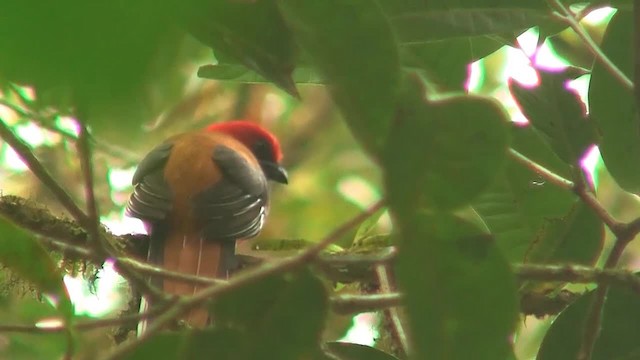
(612, 105)
(445, 63)
(352, 45)
(21, 253)
(432, 25)
(25, 345)
(520, 205)
(558, 113)
(112, 62)
(251, 33)
(460, 292)
(618, 335)
(576, 238)
(441, 154)
(270, 311)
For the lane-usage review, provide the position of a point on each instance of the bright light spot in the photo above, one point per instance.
(120, 179)
(68, 124)
(581, 86)
(476, 76)
(12, 160)
(8, 115)
(363, 331)
(546, 58)
(31, 133)
(272, 108)
(109, 292)
(26, 92)
(50, 323)
(518, 67)
(509, 103)
(589, 162)
(528, 42)
(358, 191)
(118, 224)
(599, 15)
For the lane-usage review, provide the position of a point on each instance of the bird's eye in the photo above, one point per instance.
(261, 149)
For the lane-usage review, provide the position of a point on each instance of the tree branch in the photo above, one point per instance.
(242, 279)
(41, 172)
(569, 18)
(547, 174)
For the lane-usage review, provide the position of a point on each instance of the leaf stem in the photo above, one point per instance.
(569, 18)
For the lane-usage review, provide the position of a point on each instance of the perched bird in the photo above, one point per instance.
(199, 192)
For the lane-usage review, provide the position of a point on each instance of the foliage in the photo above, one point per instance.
(371, 101)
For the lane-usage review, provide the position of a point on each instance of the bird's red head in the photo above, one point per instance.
(264, 145)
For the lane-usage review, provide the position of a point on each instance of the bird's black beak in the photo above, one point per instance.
(274, 172)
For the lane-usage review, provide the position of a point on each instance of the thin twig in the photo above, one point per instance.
(242, 279)
(41, 172)
(349, 304)
(587, 196)
(593, 322)
(547, 174)
(82, 325)
(393, 313)
(569, 18)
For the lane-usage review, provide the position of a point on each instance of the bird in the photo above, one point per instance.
(199, 192)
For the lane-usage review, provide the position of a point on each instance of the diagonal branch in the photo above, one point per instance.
(41, 172)
(569, 18)
(250, 276)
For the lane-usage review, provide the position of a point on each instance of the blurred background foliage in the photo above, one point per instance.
(131, 71)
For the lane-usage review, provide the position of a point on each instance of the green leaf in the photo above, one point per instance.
(161, 346)
(24, 345)
(464, 292)
(433, 25)
(445, 63)
(357, 54)
(231, 72)
(368, 226)
(350, 351)
(557, 113)
(20, 252)
(251, 33)
(619, 332)
(214, 344)
(520, 204)
(612, 105)
(271, 310)
(442, 154)
(94, 59)
(577, 238)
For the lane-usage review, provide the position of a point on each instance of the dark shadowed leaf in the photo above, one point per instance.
(557, 113)
(445, 63)
(459, 289)
(441, 154)
(162, 346)
(20, 252)
(612, 106)
(357, 54)
(270, 311)
(520, 204)
(618, 337)
(100, 59)
(232, 72)
(214, 344)
(349, 351)
(433, 25)
(576, 238)
(251, 33)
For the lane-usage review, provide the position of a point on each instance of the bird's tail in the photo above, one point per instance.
(188, 253)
